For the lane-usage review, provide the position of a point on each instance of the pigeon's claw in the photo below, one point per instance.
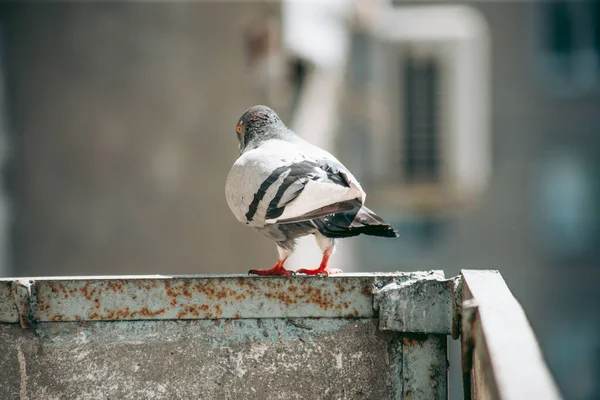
(277, 270)
(320, 271)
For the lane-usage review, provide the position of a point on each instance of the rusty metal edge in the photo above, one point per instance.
(495, 327)
(221, 276)
(158, 297)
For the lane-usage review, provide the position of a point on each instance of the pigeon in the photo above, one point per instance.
(286, 188)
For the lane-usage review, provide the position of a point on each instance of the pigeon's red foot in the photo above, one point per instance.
(276, 270)
(320, 271)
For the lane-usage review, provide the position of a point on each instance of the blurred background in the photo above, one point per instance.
(473, 126)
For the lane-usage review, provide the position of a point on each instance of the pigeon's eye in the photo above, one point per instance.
(239, 128)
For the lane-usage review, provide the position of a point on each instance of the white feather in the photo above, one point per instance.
(317, 194)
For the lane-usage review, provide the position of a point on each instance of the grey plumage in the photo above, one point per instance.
(286, 188)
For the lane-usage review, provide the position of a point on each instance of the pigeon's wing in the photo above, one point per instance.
(279, 183)
(312, 189)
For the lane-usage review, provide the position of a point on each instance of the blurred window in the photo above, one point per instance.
(569, 45)
(421, 148)
(564, 208)
(361, 57)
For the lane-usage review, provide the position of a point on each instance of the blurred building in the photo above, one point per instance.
(476, 130)
(120, 119)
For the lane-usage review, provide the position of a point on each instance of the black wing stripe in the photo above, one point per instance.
(335, 172)
(262, 190)
(297, 170)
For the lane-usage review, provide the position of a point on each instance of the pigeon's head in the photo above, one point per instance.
(257, 124)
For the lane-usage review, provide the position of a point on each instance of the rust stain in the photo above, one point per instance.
(281, 296)
(145, 311)
(415, 339)
(116, 286)
(218, 310)
(174, 291)
(146, 286)
(121, 314)
(84, 291)
(193, 310)
(205, 288)
(221, 294)
(58, 289)
(42, 305)
(237, 316)
(367, 291)
(318, 298)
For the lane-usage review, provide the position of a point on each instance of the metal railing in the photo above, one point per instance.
(501, 356)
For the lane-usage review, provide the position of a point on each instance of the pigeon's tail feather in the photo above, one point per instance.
(373, 225)
(359, 220)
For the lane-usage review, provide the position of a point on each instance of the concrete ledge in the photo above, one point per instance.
(424, 305)
(116, 298)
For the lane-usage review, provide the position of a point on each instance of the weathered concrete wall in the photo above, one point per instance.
(122, 117)
(222, 359)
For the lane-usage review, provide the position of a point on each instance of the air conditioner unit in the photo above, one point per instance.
(430, 99)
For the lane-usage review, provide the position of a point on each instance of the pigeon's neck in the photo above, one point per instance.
(260, 136)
